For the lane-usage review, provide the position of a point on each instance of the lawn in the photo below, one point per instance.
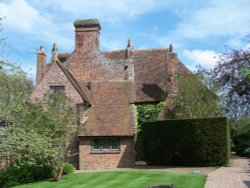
(124, 179)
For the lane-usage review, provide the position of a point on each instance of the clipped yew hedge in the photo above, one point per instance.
(189, 142)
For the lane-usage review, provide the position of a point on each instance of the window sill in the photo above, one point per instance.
(105, 152)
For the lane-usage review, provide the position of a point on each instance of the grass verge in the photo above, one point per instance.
(124, 179)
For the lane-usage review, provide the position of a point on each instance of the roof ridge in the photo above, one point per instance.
(152, 49)
(114, 51)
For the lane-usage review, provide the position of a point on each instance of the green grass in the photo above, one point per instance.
(124, 179)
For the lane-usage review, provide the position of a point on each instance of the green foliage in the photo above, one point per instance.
(145, 113)
(148, 112)
(194, 99)
(22, 172)
(15, 88)
(190, 142)
(68, 168)
(241, 135)
(37, 132)
(127, 179)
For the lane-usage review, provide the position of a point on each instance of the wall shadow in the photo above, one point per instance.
(154, 91)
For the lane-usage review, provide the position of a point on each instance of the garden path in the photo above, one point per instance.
(236, 176)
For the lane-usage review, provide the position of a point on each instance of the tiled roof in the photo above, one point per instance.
(111, 82)
(116, 55)
(150, 71)
(74, 82)
(111, 113)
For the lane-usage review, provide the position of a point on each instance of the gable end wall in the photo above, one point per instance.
(55, 77)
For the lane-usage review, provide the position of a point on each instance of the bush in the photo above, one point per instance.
(192, 142)
(246, 153)
(68, 168)
(241, 135)
(241, 142)
(20, 173)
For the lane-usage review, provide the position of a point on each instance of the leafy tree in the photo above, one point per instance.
(34, 132)
(31, 131)
(194, 98)
(15, 89)
(232, 74)
(42, 134)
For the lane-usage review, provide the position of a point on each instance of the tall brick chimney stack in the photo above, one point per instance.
(40, 65)
(87, 34)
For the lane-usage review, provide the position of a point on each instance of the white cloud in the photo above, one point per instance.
(19, 15)
(106, 10)
(218, 17)
(31, 28)
(206, 58)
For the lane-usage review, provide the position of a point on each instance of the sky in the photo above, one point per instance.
(198, 30)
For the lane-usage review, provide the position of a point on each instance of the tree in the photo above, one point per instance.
(194, 99)
(34, 132)
(15, 89)
(42, 133)
(232, 74)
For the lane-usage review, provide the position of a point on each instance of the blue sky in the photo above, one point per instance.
(198, 30)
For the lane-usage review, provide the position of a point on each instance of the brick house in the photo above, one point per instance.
(105, 86)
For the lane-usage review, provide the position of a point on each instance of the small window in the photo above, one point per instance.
(57, 94)
(106, 144)
(56, 89)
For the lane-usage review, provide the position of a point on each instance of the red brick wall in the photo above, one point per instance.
(41, 65)
(55, 77)
(94, 160)
(86, 40)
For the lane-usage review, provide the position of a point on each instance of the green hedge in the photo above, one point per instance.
(191, 142)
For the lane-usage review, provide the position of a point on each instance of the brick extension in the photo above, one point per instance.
(106, 85)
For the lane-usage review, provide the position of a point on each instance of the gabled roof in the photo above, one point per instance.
(73, 82)
(151, 70)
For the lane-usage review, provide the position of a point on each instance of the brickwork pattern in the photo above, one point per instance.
(41, 65)
(55, 77)
(90, 160)
(112, 81)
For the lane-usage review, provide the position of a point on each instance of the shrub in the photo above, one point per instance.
(241, 135)
(246, 153)
(24, 172)
(68, 168)
(241, 142)
(192, 142)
